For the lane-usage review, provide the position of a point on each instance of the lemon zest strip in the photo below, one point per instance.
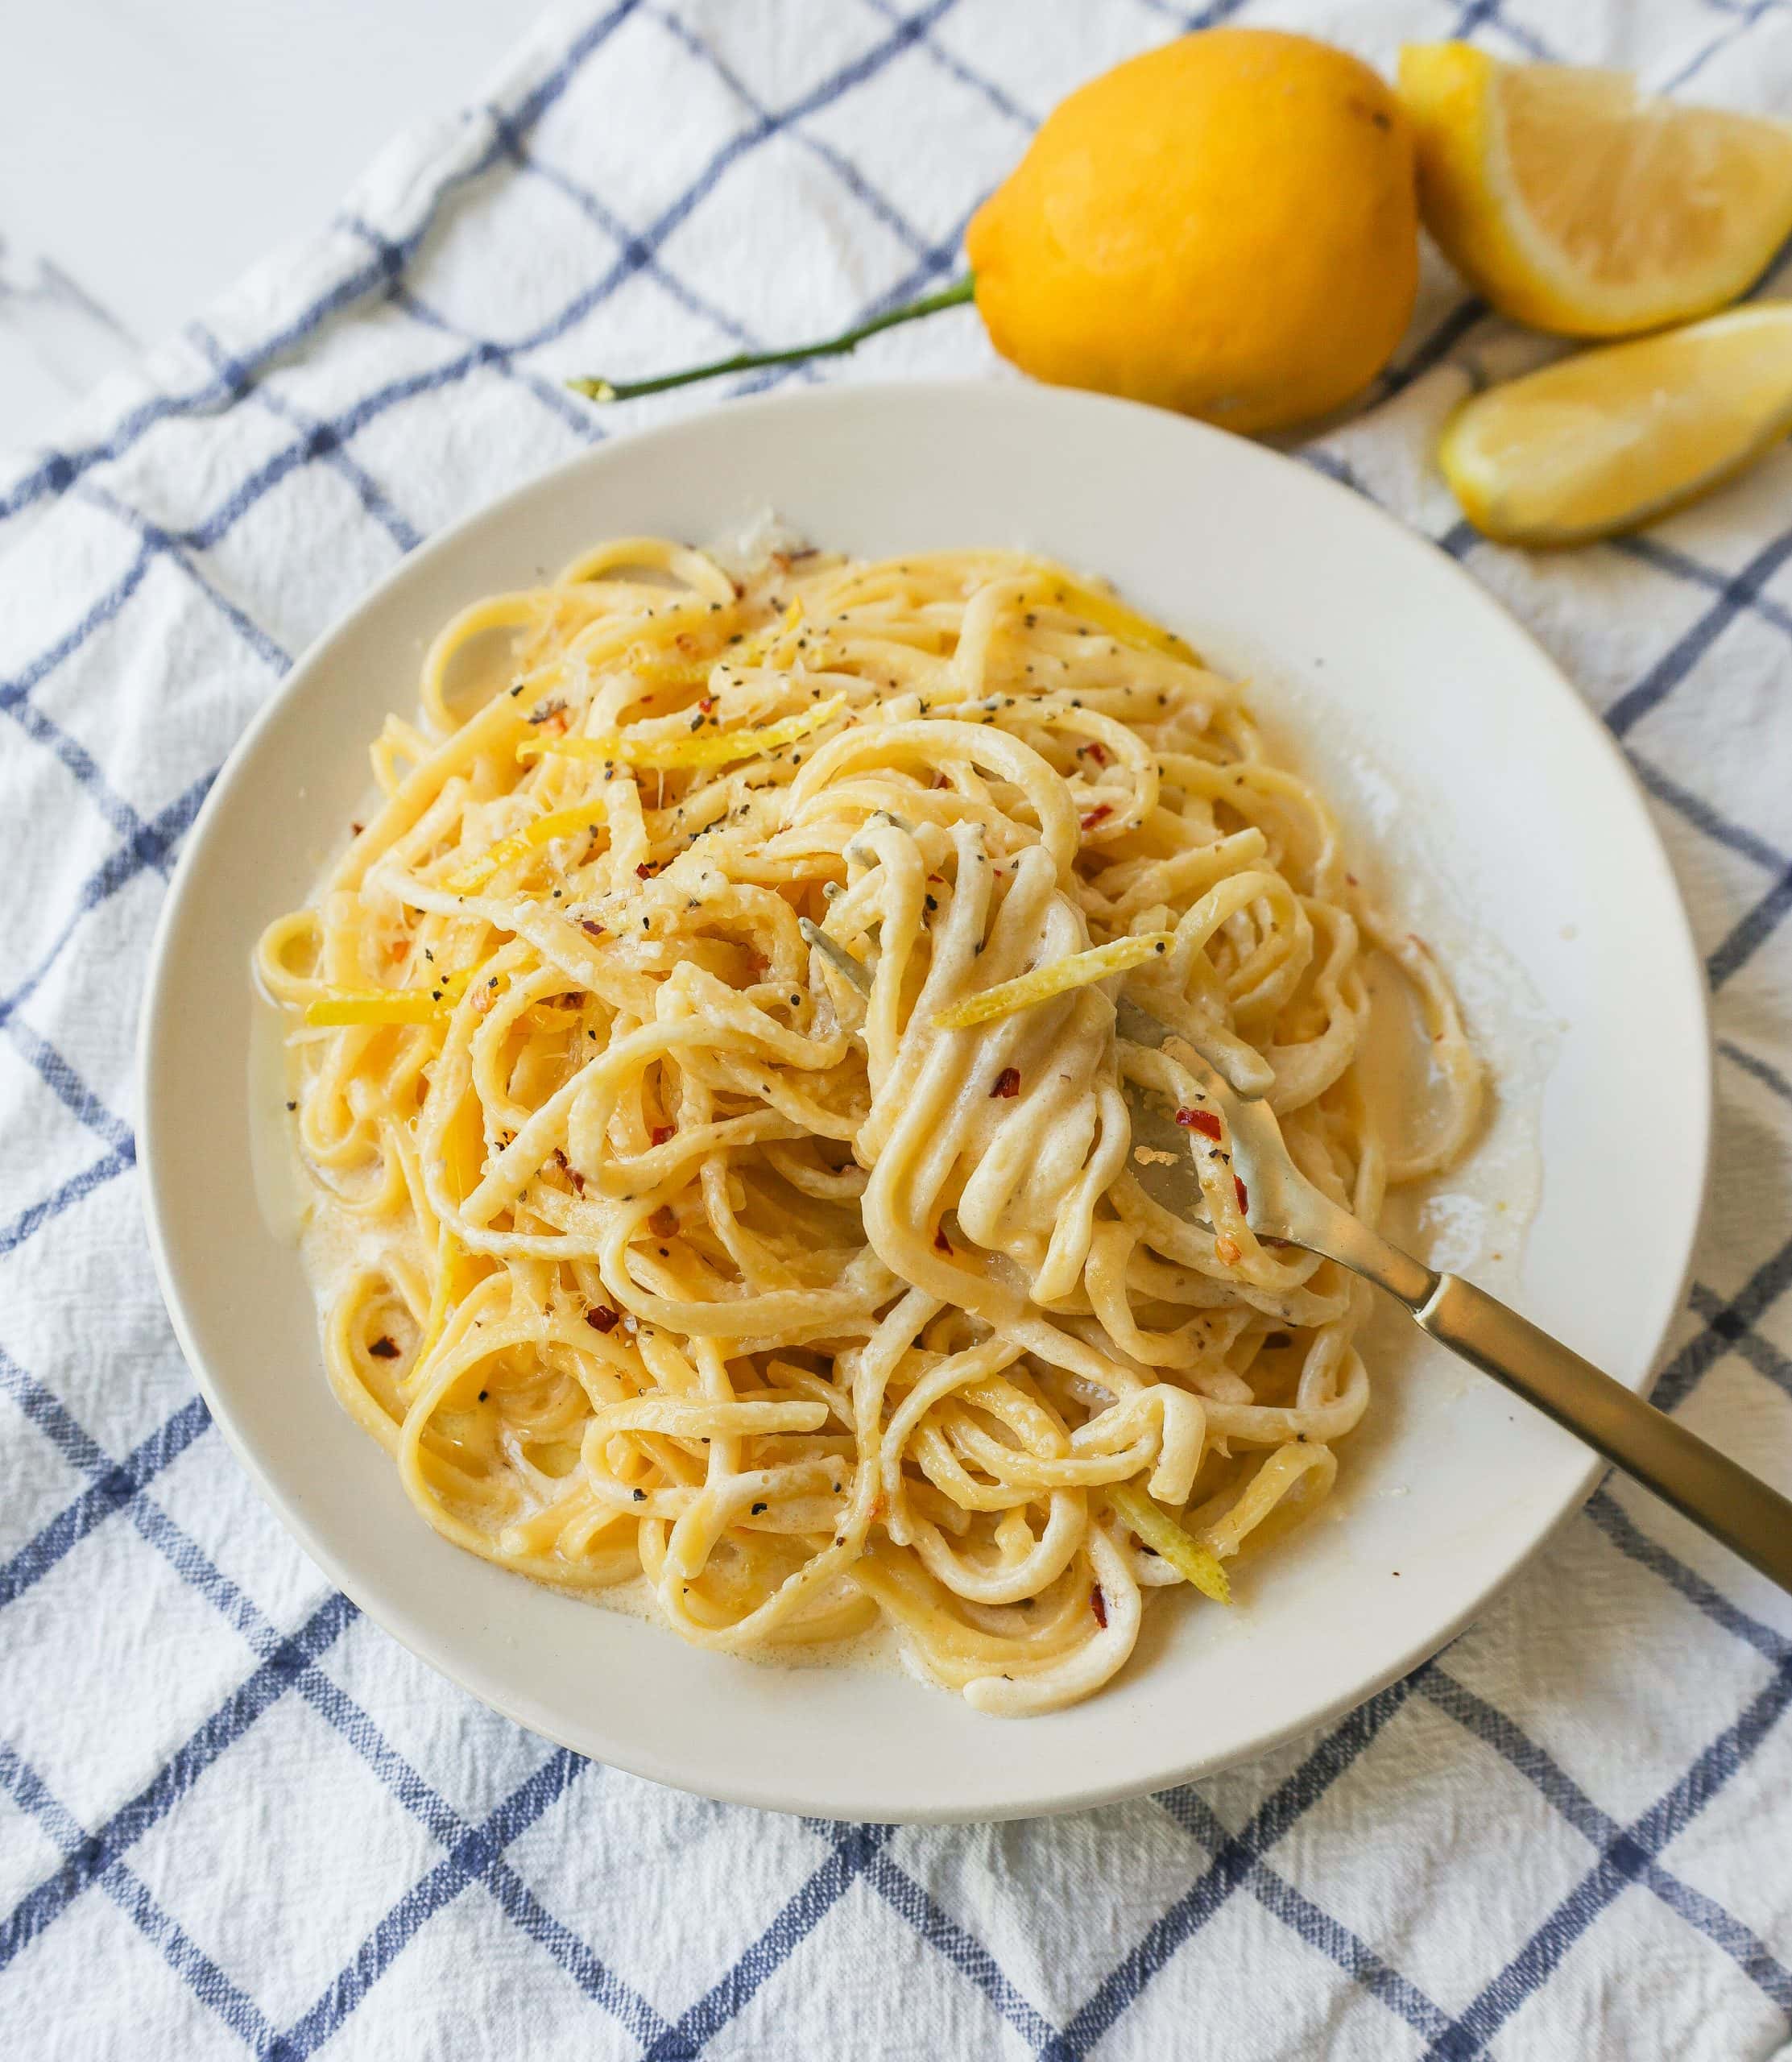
(1195, 1563)
(556, 823)
(1116, 618)
(1076, 970)
(340, 1006)
(712, 748)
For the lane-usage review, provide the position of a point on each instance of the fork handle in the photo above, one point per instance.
(1702, 1484)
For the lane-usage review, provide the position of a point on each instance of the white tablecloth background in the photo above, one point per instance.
(233, 1815)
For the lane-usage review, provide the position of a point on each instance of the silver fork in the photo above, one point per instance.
(1702, 1484)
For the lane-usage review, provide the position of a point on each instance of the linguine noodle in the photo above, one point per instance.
(707, 1053)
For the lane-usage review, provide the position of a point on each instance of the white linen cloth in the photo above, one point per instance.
(234, 1815)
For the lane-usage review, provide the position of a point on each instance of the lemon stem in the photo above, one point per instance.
(954, 295)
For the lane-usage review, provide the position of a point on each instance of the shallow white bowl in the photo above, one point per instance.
(1263, 563)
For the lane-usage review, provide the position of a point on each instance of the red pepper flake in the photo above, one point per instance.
(384, 1349)
(1098, 1604)
(647, 869)
(571, 1172)
(591, 927)
(602, 1319)
(355, 829)
(707, 704)
(663, 1222)
(1008, 1083)
(1203, 1121)
(1098, 814)
(661, 1132)
(1098, 752)
(941, 1243)
(1244, 1196)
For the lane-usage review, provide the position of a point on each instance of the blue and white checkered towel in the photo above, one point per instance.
(234, 1815)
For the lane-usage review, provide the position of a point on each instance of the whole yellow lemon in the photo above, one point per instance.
(1226, 226)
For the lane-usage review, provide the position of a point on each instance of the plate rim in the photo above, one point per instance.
(636, 1756)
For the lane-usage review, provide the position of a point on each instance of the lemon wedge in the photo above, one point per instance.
(1613, 437)
(1577, 204)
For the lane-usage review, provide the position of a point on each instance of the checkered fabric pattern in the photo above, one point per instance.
(233, 1816)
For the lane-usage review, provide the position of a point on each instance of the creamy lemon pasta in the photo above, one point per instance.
(704, 1070)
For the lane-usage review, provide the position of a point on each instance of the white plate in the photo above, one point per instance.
(1549, 844)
